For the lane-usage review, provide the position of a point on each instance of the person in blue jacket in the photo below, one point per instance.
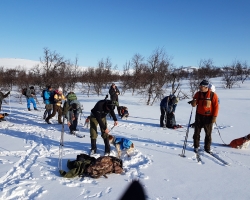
(48, 96)
(167, 106)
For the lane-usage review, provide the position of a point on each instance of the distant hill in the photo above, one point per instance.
(17, 62)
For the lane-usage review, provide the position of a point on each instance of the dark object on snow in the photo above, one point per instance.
(134, 192)
(105, 165)
(86, 165)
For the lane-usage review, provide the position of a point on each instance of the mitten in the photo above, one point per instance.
(213, 119)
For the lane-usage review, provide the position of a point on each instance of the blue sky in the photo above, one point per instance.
(92, 30)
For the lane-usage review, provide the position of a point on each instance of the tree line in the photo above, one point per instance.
(149, 77)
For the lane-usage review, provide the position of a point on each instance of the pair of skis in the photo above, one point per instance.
(199, 160)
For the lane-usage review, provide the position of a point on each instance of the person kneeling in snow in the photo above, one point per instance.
(240, 143)
(167, 107)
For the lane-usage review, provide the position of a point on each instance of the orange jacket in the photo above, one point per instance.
(206, 106)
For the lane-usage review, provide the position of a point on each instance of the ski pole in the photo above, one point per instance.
(61, 146)
(9, 104)
(186, 137)
(219, 133)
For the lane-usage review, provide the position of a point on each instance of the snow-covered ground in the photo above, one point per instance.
(29, 153)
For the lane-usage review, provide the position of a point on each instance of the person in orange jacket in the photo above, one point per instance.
(240, 143)
(207, 108)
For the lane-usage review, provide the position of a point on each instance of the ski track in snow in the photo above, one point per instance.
(42, 141)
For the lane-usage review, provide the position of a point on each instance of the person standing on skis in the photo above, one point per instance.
(207, 108)
(98, 116)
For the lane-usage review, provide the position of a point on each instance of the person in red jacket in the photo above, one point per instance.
(240, 143)
(207, 108)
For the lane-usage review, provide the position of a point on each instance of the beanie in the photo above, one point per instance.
(204, 83)
(60, 89)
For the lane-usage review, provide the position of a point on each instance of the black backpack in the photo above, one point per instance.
(24, 90)
(42, 94)
(51, 98)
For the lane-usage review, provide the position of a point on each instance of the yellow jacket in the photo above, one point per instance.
(58, 99)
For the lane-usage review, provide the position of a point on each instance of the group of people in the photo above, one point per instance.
(53, 100)
(207, 107)
(71, 109)
(205, 100)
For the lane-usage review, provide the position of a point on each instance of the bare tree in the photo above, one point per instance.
(154, 76)
(50, 63)
(243, 71)
(229, 75)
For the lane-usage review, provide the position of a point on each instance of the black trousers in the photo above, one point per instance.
(202, 121)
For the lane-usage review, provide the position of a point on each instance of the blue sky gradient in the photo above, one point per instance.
(92, 30)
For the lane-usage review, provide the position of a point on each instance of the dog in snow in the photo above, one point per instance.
(240, 143)
(121, 144)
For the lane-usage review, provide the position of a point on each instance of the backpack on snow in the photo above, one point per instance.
(105, 165)
(78, 167)
(24, 90)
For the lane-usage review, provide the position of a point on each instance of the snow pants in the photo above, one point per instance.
(93, 128)
(31, 100)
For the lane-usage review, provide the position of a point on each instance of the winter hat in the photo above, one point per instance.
(32, 87)
(49, 86)
(60, 89)
(204, 83)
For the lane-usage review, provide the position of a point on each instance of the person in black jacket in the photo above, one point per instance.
(2, 96)
(114, 92)
(98, 116)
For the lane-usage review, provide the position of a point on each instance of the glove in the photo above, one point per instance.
(193, 102)
(213, 119)
(8, 93)
(190, 102)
